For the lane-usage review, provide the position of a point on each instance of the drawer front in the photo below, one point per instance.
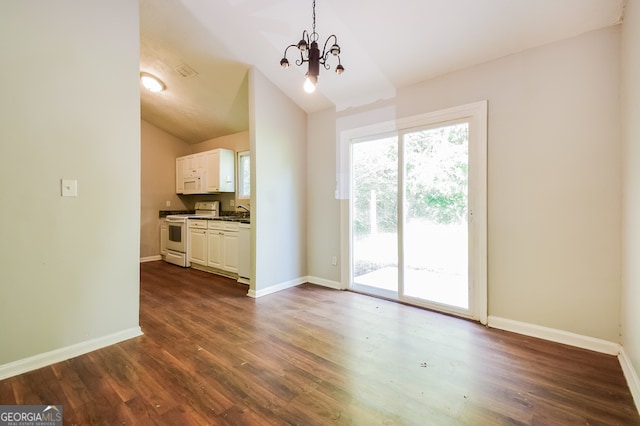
(200, 224)
(230, 226)
(216, 224)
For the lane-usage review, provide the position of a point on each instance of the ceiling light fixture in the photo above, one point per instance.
(310, 53)
(151, 82)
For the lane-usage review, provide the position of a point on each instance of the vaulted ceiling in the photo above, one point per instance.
(202, 49)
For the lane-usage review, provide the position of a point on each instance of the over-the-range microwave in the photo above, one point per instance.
(194, 182)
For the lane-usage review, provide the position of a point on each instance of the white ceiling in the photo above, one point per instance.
(385, 45)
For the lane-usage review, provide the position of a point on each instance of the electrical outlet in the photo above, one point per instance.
(168, 203)
(334, 260)
(232, 203)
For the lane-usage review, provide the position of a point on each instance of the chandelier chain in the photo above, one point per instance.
(314, 16)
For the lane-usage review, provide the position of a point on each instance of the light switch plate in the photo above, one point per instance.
(69, 187)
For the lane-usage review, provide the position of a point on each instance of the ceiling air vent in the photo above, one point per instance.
(186, 71)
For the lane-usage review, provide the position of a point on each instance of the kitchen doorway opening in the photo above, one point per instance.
(417, 211)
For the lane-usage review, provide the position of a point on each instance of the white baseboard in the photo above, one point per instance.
(632, 377)
(150, 258)
(555, 335)
(276, 287)
(42, 360)
(293, 283)
(325, 283)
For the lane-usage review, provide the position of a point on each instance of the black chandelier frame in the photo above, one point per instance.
(308, 45)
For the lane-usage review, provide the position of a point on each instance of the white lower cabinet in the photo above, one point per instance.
(230, 258)
(222, 243)
(198, 242)
(214, 243)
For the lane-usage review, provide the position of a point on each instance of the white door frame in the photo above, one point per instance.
(476, 114)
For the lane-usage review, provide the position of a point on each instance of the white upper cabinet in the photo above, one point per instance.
(220, 176)
(209, 171)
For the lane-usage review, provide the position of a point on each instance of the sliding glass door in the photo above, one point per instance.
(412, 198)
(375, 215)
(435, 228)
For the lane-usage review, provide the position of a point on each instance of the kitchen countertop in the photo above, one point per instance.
(165, 213)
(230, 218)
(240, 217)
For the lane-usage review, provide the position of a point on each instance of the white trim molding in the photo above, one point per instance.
(150, 258)
(632, 377)
(293, 283)
(336, 285)
(58, 355)
(276, 287)
(555, 335)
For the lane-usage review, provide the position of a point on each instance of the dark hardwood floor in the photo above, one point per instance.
(314, 356)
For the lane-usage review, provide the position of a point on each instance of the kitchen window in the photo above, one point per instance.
(244, 175)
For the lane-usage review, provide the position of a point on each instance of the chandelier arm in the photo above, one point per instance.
(285, 50)
(323, 60)
(302, 60)
(335, 41)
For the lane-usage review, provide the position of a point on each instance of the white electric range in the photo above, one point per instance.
(177, 237)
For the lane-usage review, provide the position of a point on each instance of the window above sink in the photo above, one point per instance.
(244, 175)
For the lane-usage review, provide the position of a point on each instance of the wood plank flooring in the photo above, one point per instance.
(314, 356)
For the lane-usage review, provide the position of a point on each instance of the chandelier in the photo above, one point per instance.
(310, 53)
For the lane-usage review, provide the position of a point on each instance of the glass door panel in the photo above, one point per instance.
(375, 216)
(417, 218)
(435, 206)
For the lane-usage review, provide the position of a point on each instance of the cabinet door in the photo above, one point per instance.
(179, 175)
(199, 161)
(192, 163)
(230, 262)
(212, 161)
(220, 170)
(198, 246)
(226, 170)
(215, 246)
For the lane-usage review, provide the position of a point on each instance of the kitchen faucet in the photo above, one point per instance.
(242, 206)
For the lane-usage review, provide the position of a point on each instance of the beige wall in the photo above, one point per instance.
(278, 143)
(237, 142)
(631, 187)
(323, 209)
(158, 183)
(70, 108)
(554, 201)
